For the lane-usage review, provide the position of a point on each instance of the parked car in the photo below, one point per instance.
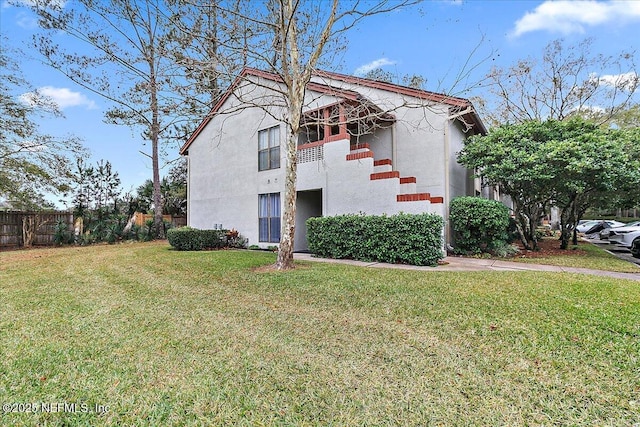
(604, 234)
(581, 228)
(628, 237)
(635, 247)
(598, 225)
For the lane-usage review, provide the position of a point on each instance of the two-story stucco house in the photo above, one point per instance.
(365, 146)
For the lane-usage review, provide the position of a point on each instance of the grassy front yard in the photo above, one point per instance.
(205, 338)
(584, 255)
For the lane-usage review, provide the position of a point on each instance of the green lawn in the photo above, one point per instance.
(590, 256)
(204, 338)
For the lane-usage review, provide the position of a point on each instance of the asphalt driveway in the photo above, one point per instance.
(616, 250)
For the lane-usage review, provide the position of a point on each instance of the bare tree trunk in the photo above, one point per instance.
(521, 231)
(30, 225)
(155, 136)
(285, 252)
(526, 225)
(27, 230)
(534, 217)
(157, 195)
(565, 234)
(568, 217)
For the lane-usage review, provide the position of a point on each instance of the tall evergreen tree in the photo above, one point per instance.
(137, 57)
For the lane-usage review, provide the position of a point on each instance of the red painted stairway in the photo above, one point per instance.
(383, 169)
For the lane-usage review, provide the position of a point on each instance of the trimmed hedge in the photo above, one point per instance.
(192, 239)
(402, 238)
(479, 225)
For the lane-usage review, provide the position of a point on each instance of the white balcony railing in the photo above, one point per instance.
(311, 154)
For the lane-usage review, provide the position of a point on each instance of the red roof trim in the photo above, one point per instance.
(317, 87)
(376, 84)
(207, 119)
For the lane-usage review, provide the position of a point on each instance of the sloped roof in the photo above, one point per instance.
(455, 102)
(391, 87)
(459, 105)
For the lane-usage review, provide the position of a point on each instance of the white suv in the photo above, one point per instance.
(629, 237)
(635, 247)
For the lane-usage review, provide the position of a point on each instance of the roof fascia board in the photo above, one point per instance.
(418, 93)
(328, 89)
(247, 71)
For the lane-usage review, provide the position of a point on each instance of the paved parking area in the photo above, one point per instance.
(616, 250)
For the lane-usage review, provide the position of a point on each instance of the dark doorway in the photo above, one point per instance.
(309, 205)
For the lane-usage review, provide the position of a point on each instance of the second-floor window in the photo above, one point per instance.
(269, 148)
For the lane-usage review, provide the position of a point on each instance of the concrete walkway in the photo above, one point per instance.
(473, 264)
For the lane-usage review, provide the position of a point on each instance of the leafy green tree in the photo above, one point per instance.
(173, 189)
(591, 166)
(510, 157)
(627, 194)
(106, 189)
(97, 192)
(82, 191)
(563, 84)
(175, 197)
(627, 119)
(32, 164)
(571, 164)
(96, 187)
(143, 198)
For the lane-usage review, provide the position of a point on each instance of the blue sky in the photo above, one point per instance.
(434, 41)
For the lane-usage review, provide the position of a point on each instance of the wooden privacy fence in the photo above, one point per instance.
(177, 221)
(39, 227)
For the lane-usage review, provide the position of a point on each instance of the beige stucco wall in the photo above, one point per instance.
(224, 181)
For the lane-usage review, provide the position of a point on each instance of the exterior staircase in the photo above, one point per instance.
(383, 170)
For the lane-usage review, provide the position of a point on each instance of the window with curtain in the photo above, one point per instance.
(269, 217)
(269, 148)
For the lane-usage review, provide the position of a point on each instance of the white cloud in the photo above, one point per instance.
(567, 17)
(627, 81)
(62, 96)
(32, 146)
(56, 4)
(364, 69)
(26, 21)
(29, 20)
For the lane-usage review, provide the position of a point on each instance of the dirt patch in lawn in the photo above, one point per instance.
(271, 268)
(548, 248)
(17, 254)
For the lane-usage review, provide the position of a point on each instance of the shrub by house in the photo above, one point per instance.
(479, 225)
(403, 238)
